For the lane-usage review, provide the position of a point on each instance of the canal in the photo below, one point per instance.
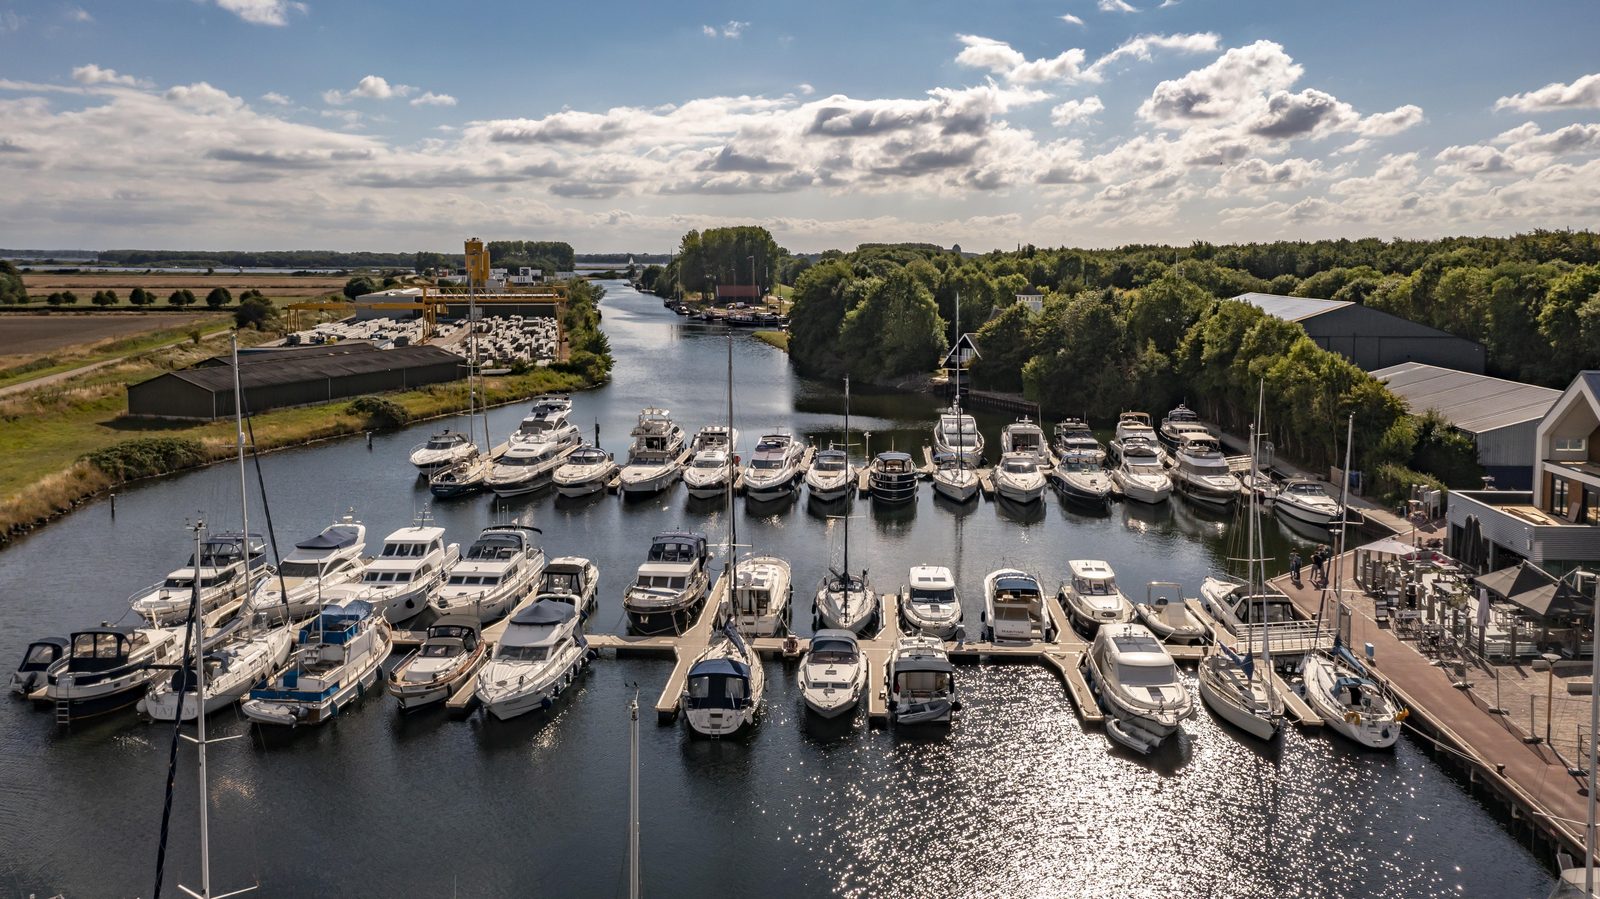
(1016, 799)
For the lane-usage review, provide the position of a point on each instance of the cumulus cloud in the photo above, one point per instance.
(1383, 124)
(804, 89)
(370, 87)
(733, 30)
(1074, 110)
(1001, 59)
(1240, 77)
(263, 12)
(92, 74)
(203, 98)
(1581, 94)
(275, 98)
(432, 99)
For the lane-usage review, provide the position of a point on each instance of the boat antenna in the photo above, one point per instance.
(633, 795)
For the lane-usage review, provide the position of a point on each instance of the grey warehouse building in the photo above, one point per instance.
(1371, 338)
(1502, 417)
(273, 379)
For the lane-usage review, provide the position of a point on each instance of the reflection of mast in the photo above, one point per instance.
(633, 796)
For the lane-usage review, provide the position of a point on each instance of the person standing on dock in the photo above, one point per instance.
(1294, 565)
(1319, 558)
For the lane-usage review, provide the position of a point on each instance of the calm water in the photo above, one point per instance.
(1016, 799)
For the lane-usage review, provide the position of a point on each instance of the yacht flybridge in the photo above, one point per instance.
(653, 457)
(1133, 426)
(1140, 475)
(496, 572)
(1073, 436)
(549, 423)
(1201, 472)
(332, 558)
(1178, 423)
(527, 466)
(712, 464)
(956, 434)
(671, 584)
(1024, 436)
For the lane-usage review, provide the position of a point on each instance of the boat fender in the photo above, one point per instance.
(955, 706)
(592, 654)
(545, 703)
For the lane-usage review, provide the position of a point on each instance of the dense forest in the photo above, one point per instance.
(1144, 327)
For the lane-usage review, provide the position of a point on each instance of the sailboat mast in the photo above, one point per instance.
(1344, 527)
(633, 797)
(845, 587)
(1257, 548)
(733, 526)
(244, 491)
(199, 627)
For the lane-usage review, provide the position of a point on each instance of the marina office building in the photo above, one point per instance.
(1370, 338)
(1556, 523)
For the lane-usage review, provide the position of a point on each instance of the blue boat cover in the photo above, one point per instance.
(720, 666)
(336, 537)
(544, 612)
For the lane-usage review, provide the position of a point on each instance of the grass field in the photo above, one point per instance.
(779, 339)
(31, 335)
(91, 339)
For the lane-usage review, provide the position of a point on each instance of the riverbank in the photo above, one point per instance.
(779, 339)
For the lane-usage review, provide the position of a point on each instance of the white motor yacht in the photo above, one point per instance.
(1138, 684)
(1091, 596)
(1178, 423)
(588, 470)
(831, 476)
(1133, 426)
(1200, 471)
(653, 457)
(108, 668)
(954, 478)
(1350, 700)
(1139, 474)
(930, 605)
(762, 596)
(1164, 612)
(1018, 478)
(774, 469)
(221, 570)
(540, 654)
(1308, 501)
(1079, 480)
(549, 423)
(711, 464)
(846, 602)
(572, 580)
(1013, 607)
(725, 687)
(231, 670)
(956, 434)
(833, 673)
(447, 447)
(1073, 436)
(1024, 436)
(337, 659)
(671, 584)
(333, 558)
(527, 466)
(496, 572)
(402, 579)
(922, 682)
(451, 653)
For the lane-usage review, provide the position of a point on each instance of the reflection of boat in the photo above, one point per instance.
(893, 478)
(670, 585)
(540, 654)
(1164, 612)
(336, 661)
(1074, 437)
(1091, 596)
(922, 682)
(954, 479)
(723, 692)
(451, 653)
(653, 456)
(833, 673)
(1013, 607)
(586, 471)
(1018, 478)
(929, 605)
(1137, 682)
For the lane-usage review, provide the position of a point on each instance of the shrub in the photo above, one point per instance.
(147, 457)
(1391, 483)
(254, 311)
(380, 413)
(141, 297)
(181, 297)
(591, 367)
(70, 298)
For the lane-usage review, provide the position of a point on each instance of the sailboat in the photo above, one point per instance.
(831, 475)
(1228, 682)
(1338, 687)
(957, 455)
(471, 474)
(845, 601)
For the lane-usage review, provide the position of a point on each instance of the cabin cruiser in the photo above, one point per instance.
(1308, 501)
(462, 478)
(774, 470)
(527, 466)
(221, 570)
(29, 677)
(1080, 480)
(670, 585)
(332, 558)
(845, 601)
(1200, 470)
(548, 424)
(1140, 475)
(1092, 598)
(711, 465)
(1074, 437)
(540, 654)
(1231, 604)
(1350, 700)
(930, 605)
(1138, 684)
(653, 457)
(1024, 436)
(447, 447)
(1133, 426)
(954, 479)
(1176, 424)
(830, 476)
(494, 574)
(231, 670)
(1013, 607)
(725, 687)
(956, 434)
(922, 682)
(337, 659)
(451, 653)
(401, 580)
(1018, 478)
(1165, 614)
(588, 470)
(833, 673)
(572, 580)
(108, 668)
(762, 595)
(893, 478)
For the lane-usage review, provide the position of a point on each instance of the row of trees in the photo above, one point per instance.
(549, 255)
(746, 254)
(589, 349)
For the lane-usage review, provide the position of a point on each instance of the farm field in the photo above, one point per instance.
(23, 336)
(280, 287)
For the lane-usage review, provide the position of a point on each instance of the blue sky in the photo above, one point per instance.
(397, 125)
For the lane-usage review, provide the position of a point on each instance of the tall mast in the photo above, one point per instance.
(733, 526)
(199, 627)
(244, 492)
(846, 585)
(1344, 527)
(633, 797)
(1257, 550)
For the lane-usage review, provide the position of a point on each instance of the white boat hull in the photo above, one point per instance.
(1019, 492)
(1229, 709)
(827, 490)
(535, 695)
(642, 481)
(1285, 506)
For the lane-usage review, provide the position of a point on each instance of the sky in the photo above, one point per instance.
(398, 125)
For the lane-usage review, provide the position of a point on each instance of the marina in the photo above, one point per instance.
(1397, 823)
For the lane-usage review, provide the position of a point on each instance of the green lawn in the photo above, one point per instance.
(68, 358)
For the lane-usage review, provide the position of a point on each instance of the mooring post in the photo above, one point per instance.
(369, 440)
(113, 505)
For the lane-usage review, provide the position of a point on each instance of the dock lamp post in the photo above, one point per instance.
(1550, 660)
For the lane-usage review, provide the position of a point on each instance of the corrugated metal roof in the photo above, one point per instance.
(219, 378)
(252, 355)
(1473, 403)
(1291, 309)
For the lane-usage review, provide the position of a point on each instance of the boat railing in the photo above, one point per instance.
(1288, 637)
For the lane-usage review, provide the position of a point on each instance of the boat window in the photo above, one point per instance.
(923, 683)
(767, 463)
(561, 582)
(97, 646)
(493, 547)
(829, 464)
(524, 653)
(39, 655)
(440, 650)
(300, 569)
(1147, 675)
(835, 652)
(710, 463)
(717, 690)
(173, 583)
(672, 551)
(921, 594)
(1021, 466)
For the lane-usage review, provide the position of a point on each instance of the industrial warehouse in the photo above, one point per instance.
(1371, 338)
(292, 376)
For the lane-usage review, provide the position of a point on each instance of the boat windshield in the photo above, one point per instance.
(387, 577)
(1081, 466)
(835, 652)
(829, 463)
(1021, 466)
(39, 655)
(404, 550)
(1210, 468)
(444, 442)
(494, 547)
(561, 582)
(523, 653)
(1147, 675)
(1308, 490)
(767, 464)
(673, 551)
(587, 457)
(922, 683)
(473, 580)
(1104, 587)
(536, 426)
(301, 569)
(922, 594)
(718, 691)
(710, 463)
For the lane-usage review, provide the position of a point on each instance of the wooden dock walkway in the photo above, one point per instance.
(688, 647)
(877, 651)
(864, 480)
